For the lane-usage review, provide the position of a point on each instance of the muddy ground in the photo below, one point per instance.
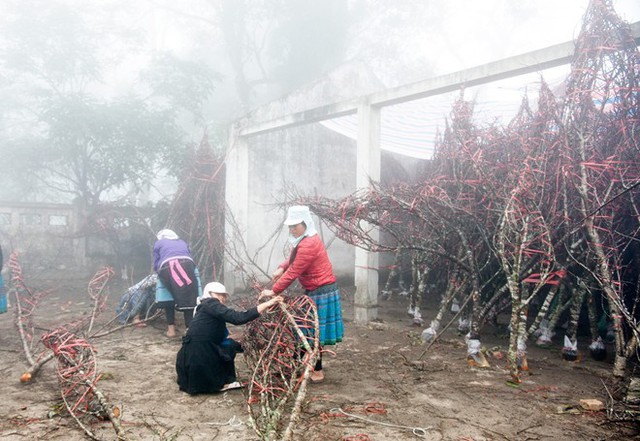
(386, 398)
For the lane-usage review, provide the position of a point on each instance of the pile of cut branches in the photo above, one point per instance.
(538, 219)
(198, 210)
(280, 347)
(70, 345)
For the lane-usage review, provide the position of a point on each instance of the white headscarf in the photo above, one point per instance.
(297, 214)
(167, 234)
(210, 289)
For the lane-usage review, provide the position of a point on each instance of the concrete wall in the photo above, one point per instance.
(312, 160)
(49, 244)
(42, 234)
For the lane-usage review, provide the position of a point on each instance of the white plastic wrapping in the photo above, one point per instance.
(598, 344)
(522, 347)
(464, 325)
(598, 350)
(429, 333)
(417, 317)
(569, 345)
(570, 349)
(473, 346)
(544, 334)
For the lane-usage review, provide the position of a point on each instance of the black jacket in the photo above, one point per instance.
(205, 361)
(210, 320)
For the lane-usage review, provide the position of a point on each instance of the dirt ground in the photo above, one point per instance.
(370, 392)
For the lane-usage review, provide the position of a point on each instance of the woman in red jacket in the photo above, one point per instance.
(309, 263)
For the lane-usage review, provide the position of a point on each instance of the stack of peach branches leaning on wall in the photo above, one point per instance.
(280, 348)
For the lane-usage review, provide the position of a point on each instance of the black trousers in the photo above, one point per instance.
(169, 307)
(318, 366)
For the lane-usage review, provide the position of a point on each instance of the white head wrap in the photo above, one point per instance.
(210, 289)
(167, 234)
(300, 213)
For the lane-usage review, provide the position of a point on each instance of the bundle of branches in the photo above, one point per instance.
(280, 348)
(77, 373)
(77, 377)
(25, 302)
(198, 209)
(601, 122)
(98, 294)
(540, 216)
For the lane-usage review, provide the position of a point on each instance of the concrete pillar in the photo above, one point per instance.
(237, 197)
(368, 168)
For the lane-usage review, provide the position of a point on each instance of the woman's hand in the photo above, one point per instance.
(269, 303)
(266, 293)
(274, 300)
(277, 274)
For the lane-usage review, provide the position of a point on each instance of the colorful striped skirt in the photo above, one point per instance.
(327, 300)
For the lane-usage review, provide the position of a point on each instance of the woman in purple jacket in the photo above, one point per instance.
(175, 267)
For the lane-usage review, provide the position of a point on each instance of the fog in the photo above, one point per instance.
(102, 98)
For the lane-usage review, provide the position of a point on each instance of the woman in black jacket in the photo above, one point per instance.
(205, 362)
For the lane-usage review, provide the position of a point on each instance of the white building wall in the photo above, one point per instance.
(310, 159)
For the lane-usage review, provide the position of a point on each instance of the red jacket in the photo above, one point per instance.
(311, 266)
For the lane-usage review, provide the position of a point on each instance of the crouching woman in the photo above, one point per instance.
(206, 360)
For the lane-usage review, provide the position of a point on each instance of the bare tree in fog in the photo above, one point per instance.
(71, 134)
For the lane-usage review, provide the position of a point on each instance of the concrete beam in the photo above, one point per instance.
(534, 61)
(250, 128)
(529, 62)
